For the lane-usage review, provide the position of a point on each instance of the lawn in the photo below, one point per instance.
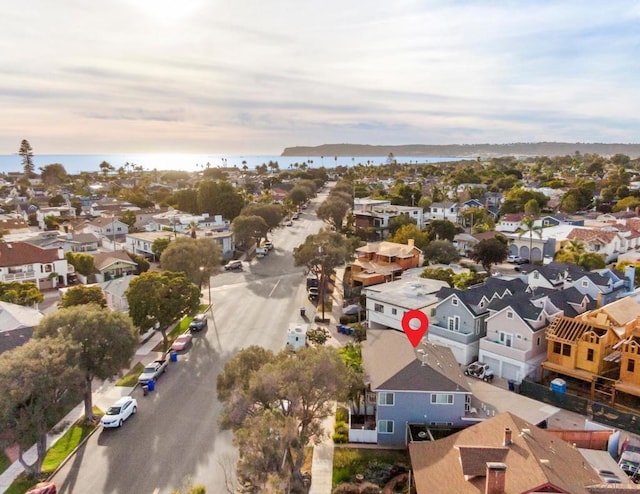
(131, 378)
(57, 453)
(348, 462)
(4, 461)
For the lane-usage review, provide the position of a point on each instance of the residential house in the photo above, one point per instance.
(17, 323)
(464, 243)
(60, 212)
(378, 218)
(141, 243)
(82, 242)
(21, 261)
(609, 244)
(443, 211)
(504, 454)
(605, 285)
(387, 303)
(145, 216)
(226, 241)
(378, 262)
(179, 222)
(411, 386)
(457, 321)
(107, 227)
(515, 344)
(557, 219)
(115, 293)
(110, 208)
(510, 222)
(111, 265)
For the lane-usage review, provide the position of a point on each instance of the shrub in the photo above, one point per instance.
(342, 415)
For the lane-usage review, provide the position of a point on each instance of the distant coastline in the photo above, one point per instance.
(467, 150)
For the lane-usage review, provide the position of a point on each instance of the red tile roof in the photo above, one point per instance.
(21, 253)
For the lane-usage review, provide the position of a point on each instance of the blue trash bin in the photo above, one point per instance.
(174, 356)
(151, 385)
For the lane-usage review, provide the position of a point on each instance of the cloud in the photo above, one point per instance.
(255, 77)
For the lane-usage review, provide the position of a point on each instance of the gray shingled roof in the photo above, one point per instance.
(390, 362)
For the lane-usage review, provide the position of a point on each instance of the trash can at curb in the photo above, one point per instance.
(512, 385)
(174, 356)
(151, 386)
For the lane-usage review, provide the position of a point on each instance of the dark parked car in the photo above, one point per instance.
(198, 323)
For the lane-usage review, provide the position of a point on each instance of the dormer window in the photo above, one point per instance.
(536, 275)
(454, 301)
(509, 314)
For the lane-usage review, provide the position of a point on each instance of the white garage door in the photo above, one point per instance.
(510, 371)
(494, 364)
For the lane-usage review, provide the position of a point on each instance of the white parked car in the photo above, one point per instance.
(120, 411)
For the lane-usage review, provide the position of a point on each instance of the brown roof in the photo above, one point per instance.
(534, 459)
(389, 249)
(21, 253)
(102, 260)
(391, 362)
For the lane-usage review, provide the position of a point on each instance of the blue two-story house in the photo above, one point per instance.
(423, 386)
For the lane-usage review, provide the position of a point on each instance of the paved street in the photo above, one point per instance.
(175, 435)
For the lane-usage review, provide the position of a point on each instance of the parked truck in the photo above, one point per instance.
(153, 370)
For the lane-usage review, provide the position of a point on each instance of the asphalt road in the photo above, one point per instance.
(175, 437)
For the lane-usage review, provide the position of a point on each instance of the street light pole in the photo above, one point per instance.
(209, 289)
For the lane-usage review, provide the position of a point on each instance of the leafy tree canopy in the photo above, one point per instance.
(272, 214)
(26, 294)
(442, 230)
(53, 174)
(40, 383)
(328, 248)
(410, 232)
(81, 295)
(249, 229)
(106, 341)
(158, 299)
(490, 251)
(196, 258)
(441, 252)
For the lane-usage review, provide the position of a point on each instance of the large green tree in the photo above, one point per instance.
(26, 293)
(53, 174)
(106, 342)
(159, 245)
(197, 258)
(442, 230)
(333, 211)
(490, 251)
(219, 198)
(276, 410)
(410, 232)
(39, 382)
(272, 214)
(249, 230)
(158, 299)
(83, 294)
(441, 251)
(26, 153)
(326, 250)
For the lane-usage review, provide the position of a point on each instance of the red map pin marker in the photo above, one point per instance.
(415, 324)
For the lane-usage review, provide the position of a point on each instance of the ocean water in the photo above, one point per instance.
(76, 163)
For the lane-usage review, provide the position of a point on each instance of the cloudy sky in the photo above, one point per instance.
(255, 76)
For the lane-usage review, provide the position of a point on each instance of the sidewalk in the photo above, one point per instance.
(103, 397)
(322, 463)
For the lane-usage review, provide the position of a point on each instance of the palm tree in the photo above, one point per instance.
(572, 251)
(531, 228)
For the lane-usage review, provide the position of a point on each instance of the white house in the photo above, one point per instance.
(21, 261)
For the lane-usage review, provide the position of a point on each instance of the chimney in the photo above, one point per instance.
(496, 473)
(507, 437)
(60, 253)
(411, 242)
(599, 300)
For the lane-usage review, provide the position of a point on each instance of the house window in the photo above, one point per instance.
(454, 301)
(631, 365)
(585, 284)
(386, 399)
(538, 341)
(454, 323)
(590, 354)
(536, 275)
(557, 347)
(378, 308)
(509, 315)
(385, 426)
(506, 338)
(394, 311)
(441, 399)
(566, 350)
